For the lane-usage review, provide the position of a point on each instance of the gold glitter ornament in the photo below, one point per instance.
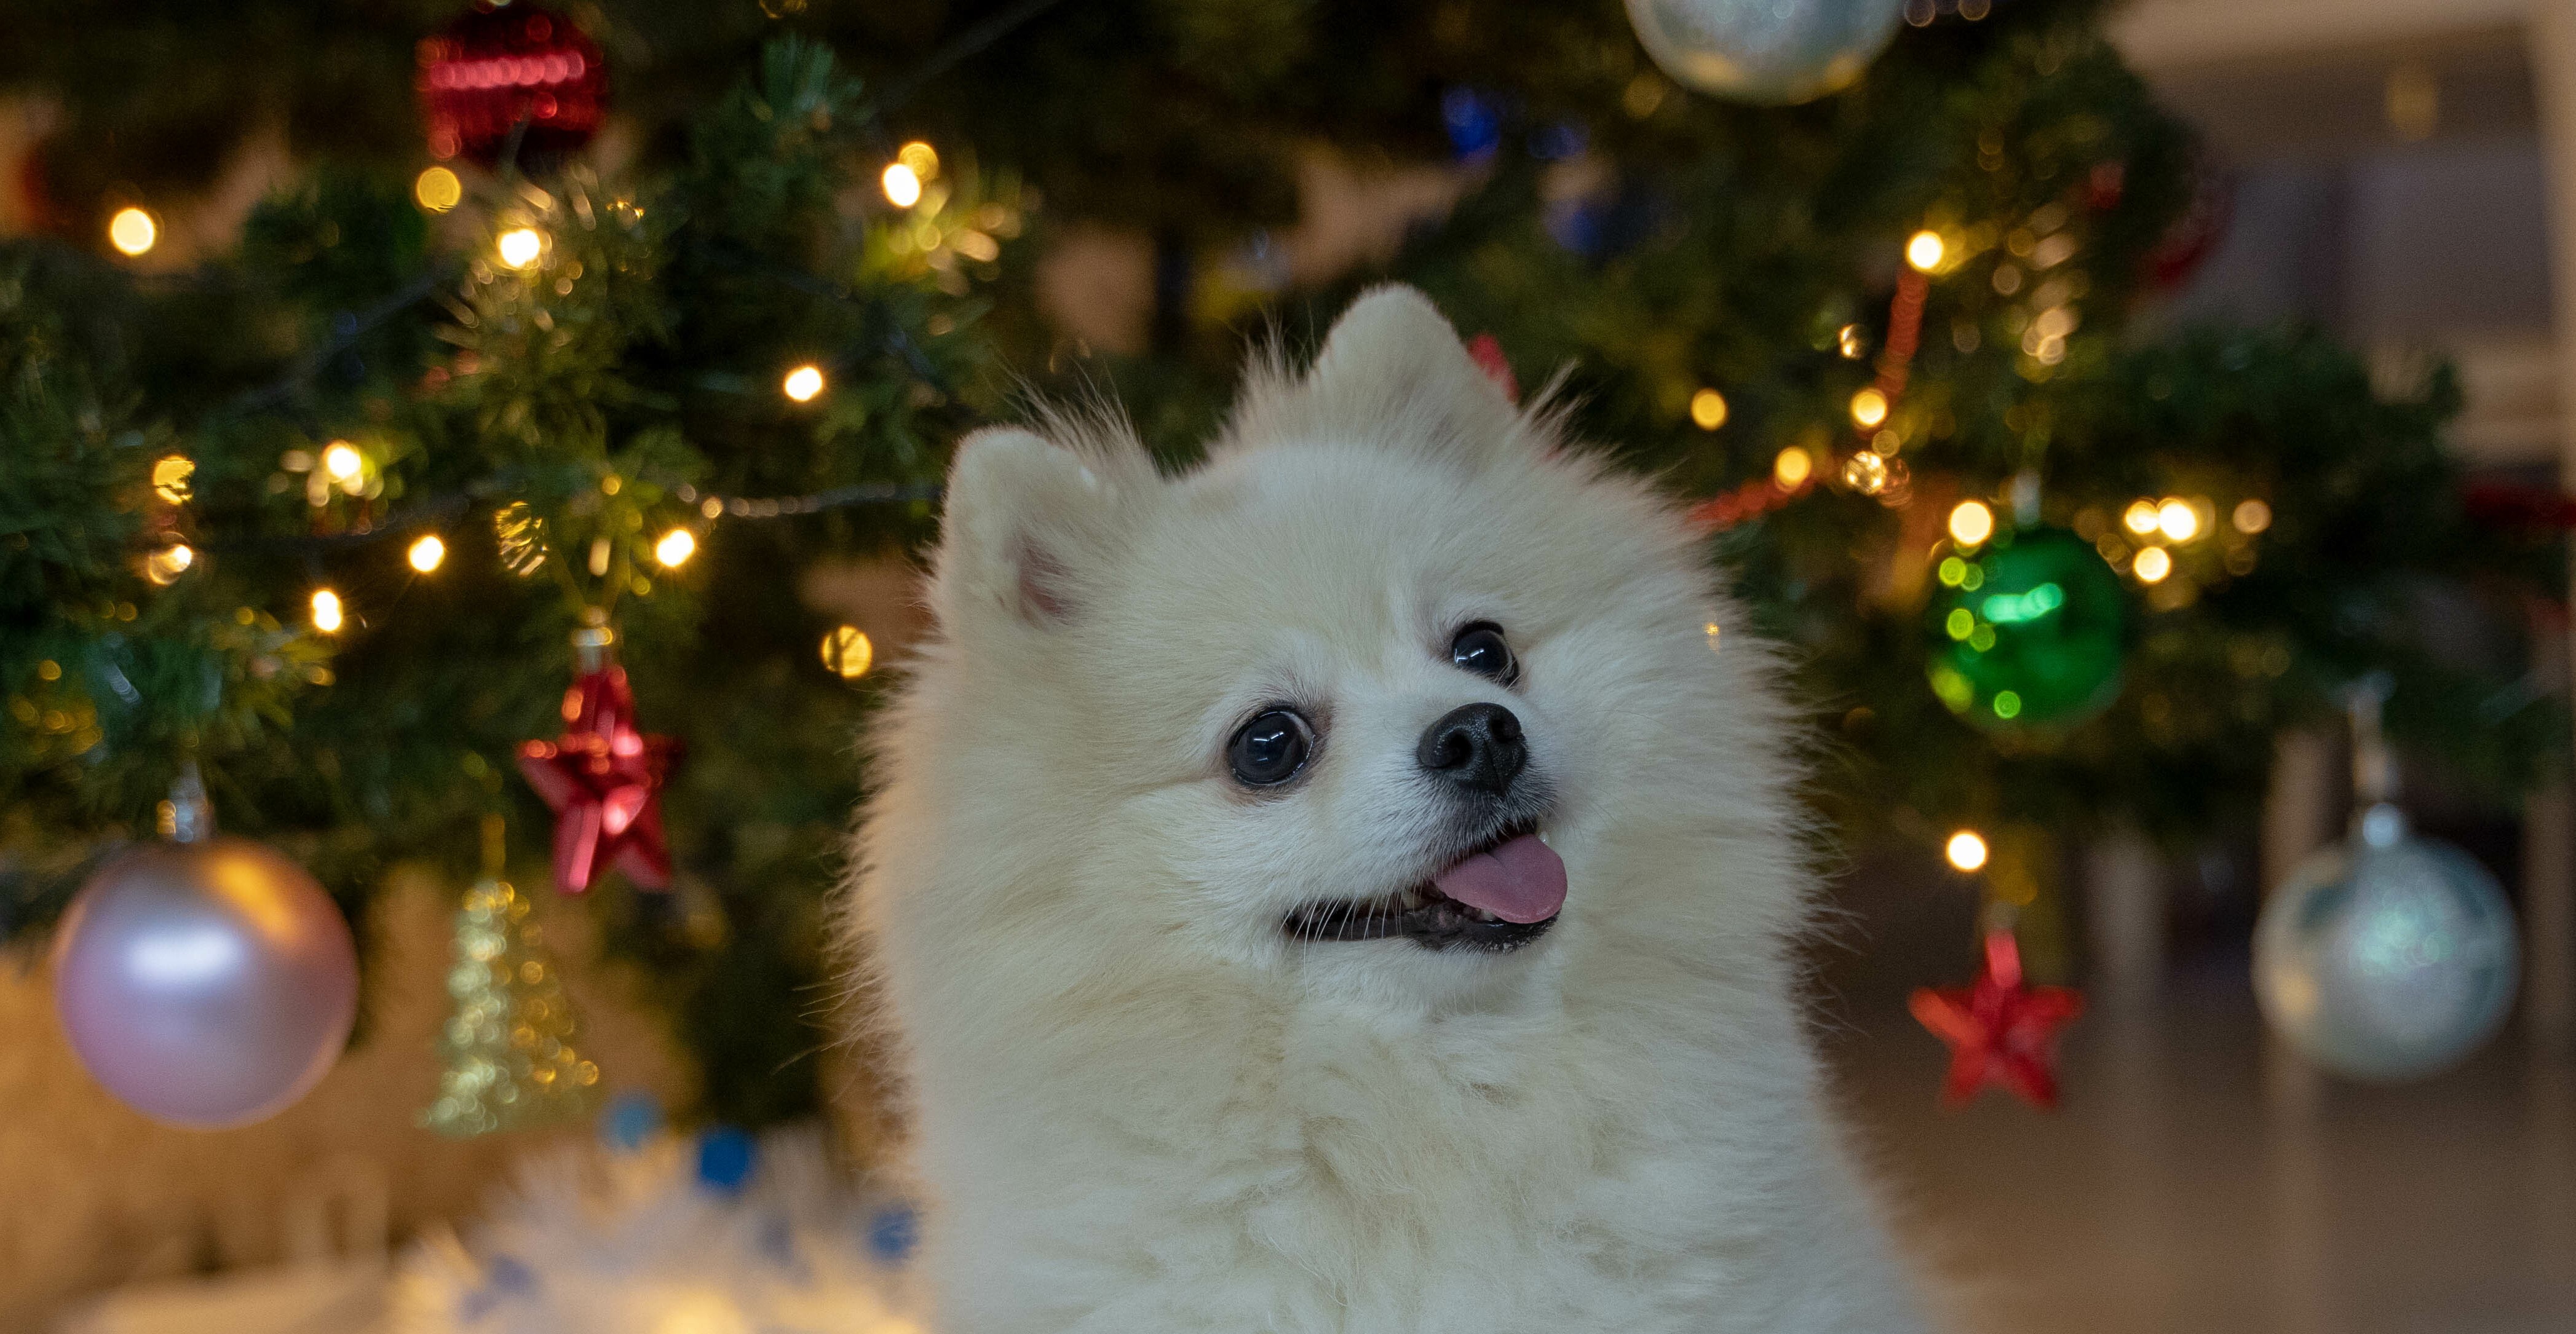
(508, 1044)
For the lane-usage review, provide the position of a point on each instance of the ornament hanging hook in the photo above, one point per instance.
(2374, 771)
(187, 815)
(2376, 817)
(594, 644)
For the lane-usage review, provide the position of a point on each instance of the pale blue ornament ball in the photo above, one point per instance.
(1769, 52)
(2387, 957)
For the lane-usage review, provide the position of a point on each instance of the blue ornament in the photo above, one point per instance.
(630, 1119)
(2388, 957)
(894, 1233)
(1474, 121)
(726, 1155)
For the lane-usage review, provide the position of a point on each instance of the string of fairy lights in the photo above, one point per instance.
(2146, 540)
(342, 468)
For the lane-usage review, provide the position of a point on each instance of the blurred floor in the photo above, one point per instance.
(2188, 1185)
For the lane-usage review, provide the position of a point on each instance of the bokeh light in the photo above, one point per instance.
(2177, 520)
(132, 231)
(1708, 409)
(343, 463)
(520, 247)
(847, 652)
(437, 189)
(902, 185)
(163, 567)
(1869, 408)
(1971, 522)
(427, 553)
(171, 477)
(675, 548)
(803, 383)
(1966, 850)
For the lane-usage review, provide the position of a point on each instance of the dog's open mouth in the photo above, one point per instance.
(1502, 895)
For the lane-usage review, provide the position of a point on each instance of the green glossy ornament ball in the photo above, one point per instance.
(2027, 630)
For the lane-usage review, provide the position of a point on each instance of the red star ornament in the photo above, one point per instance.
(1999, 1031)
(603, 779)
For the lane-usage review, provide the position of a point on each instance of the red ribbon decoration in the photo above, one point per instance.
(496, 69)
(1999, 1031)
(1762, 495)
(603, 779)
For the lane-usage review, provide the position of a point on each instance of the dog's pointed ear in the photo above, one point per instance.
(1028, 524)
(1392, 371)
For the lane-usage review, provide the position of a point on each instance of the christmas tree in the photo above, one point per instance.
(326, 513)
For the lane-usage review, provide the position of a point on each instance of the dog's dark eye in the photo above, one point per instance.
(1481, 648)
(1271, 748)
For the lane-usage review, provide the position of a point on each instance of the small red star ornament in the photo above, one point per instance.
(1999, 1031)
(603, 778)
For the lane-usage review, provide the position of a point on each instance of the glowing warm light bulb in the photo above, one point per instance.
(1792, 468)
(1971, 523)
(519, 247)
(426, 554)
(2142, 517)
(2178, 522)
(170, 477)
(847, 652)
(1966, 850)
(2153, 565)
(132, 231)
(437, 189)
(1866, 472)
(1708, 409)
(803, 383)
(921, 158)
(902, 185)
(326, 611)
(675, 548)
(1868, 408)
(1925, 250)
(2251, 516)
(164, 567)
(342, 462)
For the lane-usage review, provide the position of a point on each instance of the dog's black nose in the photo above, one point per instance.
(1477, 746)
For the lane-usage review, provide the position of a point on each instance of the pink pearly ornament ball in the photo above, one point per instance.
(206, 984)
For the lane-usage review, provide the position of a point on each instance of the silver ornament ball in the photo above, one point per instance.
(2387, 957)
(1768, 52)
(205, 984)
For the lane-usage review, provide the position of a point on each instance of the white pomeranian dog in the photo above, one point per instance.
(1350, 886)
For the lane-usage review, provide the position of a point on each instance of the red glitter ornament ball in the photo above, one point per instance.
(498, 66)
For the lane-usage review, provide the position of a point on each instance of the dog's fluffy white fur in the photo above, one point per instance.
(1141, 1105)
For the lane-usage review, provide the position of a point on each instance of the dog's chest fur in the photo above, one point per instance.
(1325, 1170)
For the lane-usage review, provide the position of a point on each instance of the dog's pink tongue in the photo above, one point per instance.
(1521, 881)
